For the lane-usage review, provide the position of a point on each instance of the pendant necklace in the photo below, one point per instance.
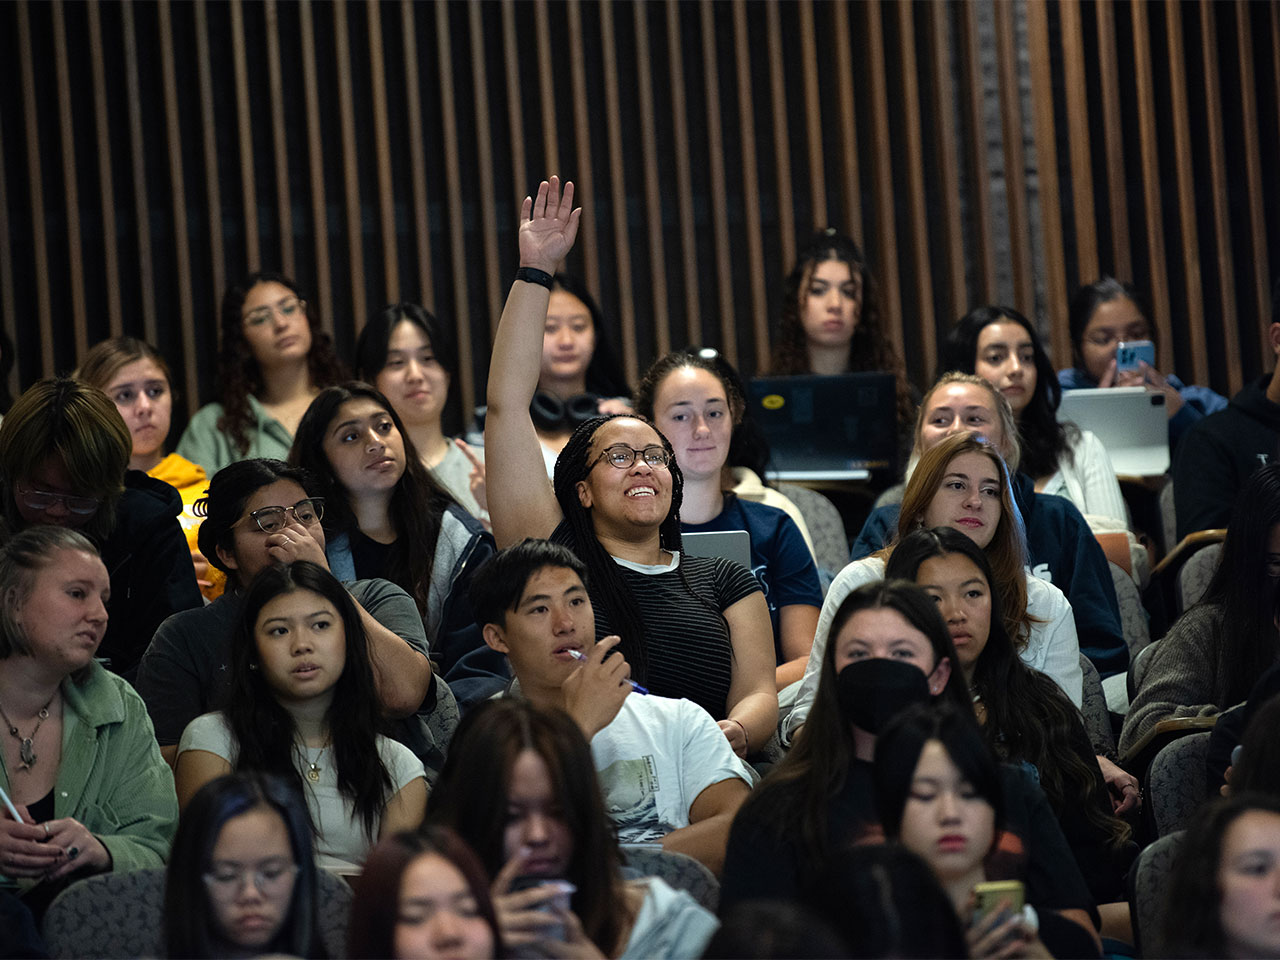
(313, 766)
(25, 752)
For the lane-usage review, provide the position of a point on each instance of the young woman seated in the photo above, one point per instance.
(423, 896)
(693, 403)
(304, 707)
(691, 627)
(242, 880)
(962, 483)
(1001, 346)
(409, 356)
(520, 787)
(1024, 715)
(938, 790)
(889, 649)
(1210, 658)
(385, 516)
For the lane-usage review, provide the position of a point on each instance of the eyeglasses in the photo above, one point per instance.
(287, 308)
(272, 519)
(623, 456)
(1105, 338)
(34, 499)
(273, 877)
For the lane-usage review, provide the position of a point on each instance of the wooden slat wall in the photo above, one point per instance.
(707, 139)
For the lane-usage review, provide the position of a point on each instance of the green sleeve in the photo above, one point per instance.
(203, 443)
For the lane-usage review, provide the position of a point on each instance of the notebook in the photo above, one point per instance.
(1130, 421)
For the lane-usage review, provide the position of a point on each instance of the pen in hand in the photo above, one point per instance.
(579, 655)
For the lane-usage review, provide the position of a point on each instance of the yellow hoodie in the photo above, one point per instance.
(191, 482)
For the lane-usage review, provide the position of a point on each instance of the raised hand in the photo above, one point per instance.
(548, 226)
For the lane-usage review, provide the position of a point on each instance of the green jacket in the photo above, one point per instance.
(203, 443)
(112, 777)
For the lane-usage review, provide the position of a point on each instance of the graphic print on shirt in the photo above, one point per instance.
(630, 789)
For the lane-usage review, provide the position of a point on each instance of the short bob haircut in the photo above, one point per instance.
(898, 750)
(1193, 897)
(499, 583)
(189, 924)
(1007, 550)
(375, 340)
(1089, 298)
(471, 797)
(79, 425)
(375, 909)
(1009, 447)
(229, 491)
(22, 556)
(104, 360)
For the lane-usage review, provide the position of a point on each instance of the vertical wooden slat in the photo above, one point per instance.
(916, 202)
(1083, 213)
(208, 124)
(1015, 166)
(8, 299)
(141, 203)
(719, 200)
(244, 122)
(418, 155)
(70, 189)
(1113, 144)
(1187, 228)
(585, 181)
(453, 190)
(547, 95)
(849, 179)
(1261, 305)
(484, 175)
(652, 191)
(751, 187)
(178, 191)
(315, 157)
(886, 257)
(1150, 164)
(684, 177)
(781, 139)
(813, 116)
(279, 139)
(618, 192)
(972, 105)
(1044, 131)
(35, 184)
(106, 185)
(511, 48)
(350, 168)
(946, 139)
(382, 148)
(1227, 317)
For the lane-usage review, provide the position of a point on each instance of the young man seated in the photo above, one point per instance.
(666, 770)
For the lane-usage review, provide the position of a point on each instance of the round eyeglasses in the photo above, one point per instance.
(225, 881)
(34, 499)
(623, 456)
(274, 519)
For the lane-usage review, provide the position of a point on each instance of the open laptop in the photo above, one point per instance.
(827, 427)
(1131, 423)
(733, 545)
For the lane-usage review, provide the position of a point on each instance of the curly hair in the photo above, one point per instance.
(239, 375)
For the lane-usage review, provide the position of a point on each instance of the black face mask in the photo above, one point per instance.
(873, 691)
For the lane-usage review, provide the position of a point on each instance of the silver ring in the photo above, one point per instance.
(287, 540)
(46, 831)
(73, 852)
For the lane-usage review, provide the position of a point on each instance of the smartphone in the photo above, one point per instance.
(563, 892)
(1131, 353)
(990, 895)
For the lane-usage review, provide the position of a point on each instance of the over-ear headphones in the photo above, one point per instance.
(550, 413)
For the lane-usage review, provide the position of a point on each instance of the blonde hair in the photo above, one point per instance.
(1009, 447)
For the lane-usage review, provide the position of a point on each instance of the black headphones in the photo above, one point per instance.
(551, 413)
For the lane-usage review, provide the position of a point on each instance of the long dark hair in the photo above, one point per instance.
(238, 373)
(1028, 717)
(1045, 441)
(374, 341)
(604, 376)
(417, 505)
(265, 732)
(189, 926)
(471, 797)
(664, 366)
(1242, 589)
(375, 909)
(1086, 302)
(794, 798)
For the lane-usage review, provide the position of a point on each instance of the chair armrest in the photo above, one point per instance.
(1137, 759)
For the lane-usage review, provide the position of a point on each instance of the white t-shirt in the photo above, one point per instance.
(670, 924)
(1052, 648)
(654, 759)
(1089, 481)
(341, 842)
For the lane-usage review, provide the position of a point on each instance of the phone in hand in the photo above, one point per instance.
(989, 896)
(1131, 354)
(563, 892)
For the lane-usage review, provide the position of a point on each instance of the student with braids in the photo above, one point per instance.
(690, 627)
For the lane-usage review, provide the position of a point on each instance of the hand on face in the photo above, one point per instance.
(297, 542)
(594, 692)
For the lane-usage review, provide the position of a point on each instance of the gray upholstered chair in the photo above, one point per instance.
(1176, 784)
(1093, 707)
(678, 870)
(1133, 615)
(826, 528)
(1194, 577)
(1168, 518)
(1148, 884)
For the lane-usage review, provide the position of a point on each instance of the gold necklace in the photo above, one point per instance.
(314, 768)
(25, 752)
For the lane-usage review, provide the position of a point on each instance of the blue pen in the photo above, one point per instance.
(579, 655)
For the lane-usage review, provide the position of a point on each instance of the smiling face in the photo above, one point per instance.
(1249, 878)
(692, 410)
(1006, 359)
(881, 633)
(535, 818)
(438, 917)
(275, 325)
(945, 820)
(1113, 321)
(249, 554)
(140, 391)
(968, 499)
(831, 306)
(964, 600)
(364, 448)
(302, 646)
(625, 501)
(412, 378)
(957, 408)
(251, 878)
(568, 342)
(64, 617)
(552, 617)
